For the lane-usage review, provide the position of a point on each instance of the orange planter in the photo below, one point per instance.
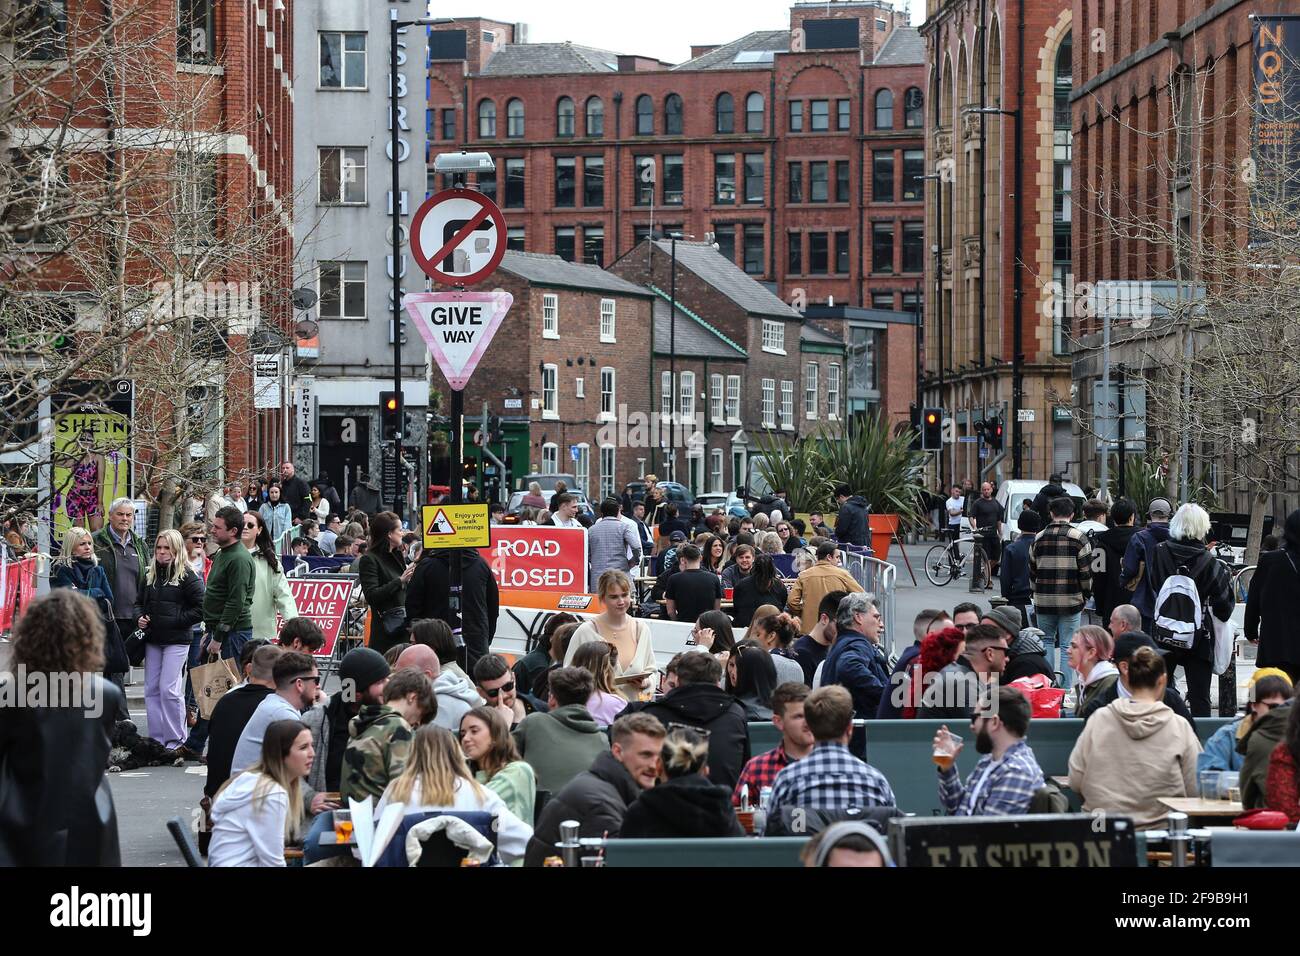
(883, 528)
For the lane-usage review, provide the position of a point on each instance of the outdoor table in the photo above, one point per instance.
(1196, 808)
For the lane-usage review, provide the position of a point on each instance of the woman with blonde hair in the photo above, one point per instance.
(256, 812)
(605, 703)
(493, 757)
(436, 778)
(685, 804)
(172, 603)
(769, 542)
(636, 653)
(77, 567)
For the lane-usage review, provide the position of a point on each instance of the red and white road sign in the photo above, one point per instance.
(323, 599)
(538, 559)
(457, 327)
(458, 237)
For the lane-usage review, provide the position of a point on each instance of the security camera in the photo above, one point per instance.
(463, 162)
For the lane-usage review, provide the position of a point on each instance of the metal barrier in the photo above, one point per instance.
(880, 578)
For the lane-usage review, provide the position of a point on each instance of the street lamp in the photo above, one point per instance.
(674, 389)
(937, 179)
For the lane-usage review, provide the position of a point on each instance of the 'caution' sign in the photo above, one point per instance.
(456, 526)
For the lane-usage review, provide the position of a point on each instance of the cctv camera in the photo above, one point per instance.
(463, 162)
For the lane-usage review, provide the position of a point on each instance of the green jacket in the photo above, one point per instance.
(228, 601)
(516, 784)
(1257, 746)
(378, 745)
(560, 744)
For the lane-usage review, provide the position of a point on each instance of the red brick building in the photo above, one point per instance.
(796, 151)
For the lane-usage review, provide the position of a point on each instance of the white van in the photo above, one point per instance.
(1015, 496)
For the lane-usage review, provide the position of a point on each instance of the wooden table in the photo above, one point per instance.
(1196, 807)
(1062, 782)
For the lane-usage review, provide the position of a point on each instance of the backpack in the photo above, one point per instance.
(1179, 616)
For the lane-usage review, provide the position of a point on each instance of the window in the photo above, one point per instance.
(673, 187)
(842, 115)
(884, 109)
(913, 247)
(818, 184)
(717, 412)
(550, 397)
(579, 387)
(796, 116)
(754, 249)
(754, 113)
(911, 302)
(487, 119)
(833, 391)
(1062, 173)
(593, 245)
(673, 115)
(843, 191)
(733, 399)
(566, 244)
(794, 253)
(342, 290)
(666, 396)
(582, 468)
(550, 458)
(607, 471)
(882, 300)
(607, 328)
(882, 176)
(487, 183)
(715, 470)
(565, 117)
(842, 253)
(753, 177)
(787, 404)
(774, 336)
(343, 61)
(688, 396)
(550, 316)
(646, 173)
(795, 178)
(515, 238)
(448, 124)
(515, 119)
(882, 247)
(724, 237)
(607, 400)
(913, 113)
(819, 260)
(342, 175)
(195, 30)
(724, 178)
(565, 182)
(864, 350)
(645, 115)
(913, 170)
(810, 391)
(769, 403)
(195, 208)
(821, 115)
(595, 116)
(724, 113)
(514, 184)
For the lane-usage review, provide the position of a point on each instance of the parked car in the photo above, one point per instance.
(515, 506)
(730, 504)
(548, 483)
(1016, 495)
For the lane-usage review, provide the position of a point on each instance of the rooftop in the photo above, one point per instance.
(692, 337)
(751, 52)
(904, 47)
(728, 278)
(542, 59)
(550, 270)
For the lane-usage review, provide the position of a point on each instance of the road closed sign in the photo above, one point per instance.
(538, 559)
(457, 327)
(458, 237)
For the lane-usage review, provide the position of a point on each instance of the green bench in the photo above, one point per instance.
(726, 851)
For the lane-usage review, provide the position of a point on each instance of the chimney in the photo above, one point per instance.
(698, 51)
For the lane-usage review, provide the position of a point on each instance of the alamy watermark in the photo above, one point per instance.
(229, 300)
(1130, 301)
(39, 689)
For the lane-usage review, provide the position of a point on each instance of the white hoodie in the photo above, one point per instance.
(456, 697)
(242, 835)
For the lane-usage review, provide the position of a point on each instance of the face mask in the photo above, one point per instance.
(983, 742)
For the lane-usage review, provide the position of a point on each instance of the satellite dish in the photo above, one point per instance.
(304, 298)
(306, 329)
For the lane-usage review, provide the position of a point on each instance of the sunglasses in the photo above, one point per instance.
(199, 539)
(251, 527)
(495, 692)
(311, 677)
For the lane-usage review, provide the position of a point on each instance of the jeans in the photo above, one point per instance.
(1198, 672)
(1057, 630)
(163, 701)
(196, 649)
(312, 851)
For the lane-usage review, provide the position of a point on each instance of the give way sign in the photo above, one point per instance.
(457, 327)
(458, 237)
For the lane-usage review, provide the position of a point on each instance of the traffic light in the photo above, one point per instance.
(932, 429)
(979, 429)
(916, 428)
(494, 433)
(993, 433)
(390, 415)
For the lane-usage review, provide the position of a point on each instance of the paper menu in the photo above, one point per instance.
(373, 836)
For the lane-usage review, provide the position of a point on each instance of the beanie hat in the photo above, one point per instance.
(1007, 618)
(1268, 672)
(363, 666)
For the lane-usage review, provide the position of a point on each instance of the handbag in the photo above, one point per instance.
(134, 646)
(393, 620)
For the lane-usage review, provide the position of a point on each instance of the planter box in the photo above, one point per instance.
(883, 528)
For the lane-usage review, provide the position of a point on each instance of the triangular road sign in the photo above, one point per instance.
(457, 327)
(439, 524)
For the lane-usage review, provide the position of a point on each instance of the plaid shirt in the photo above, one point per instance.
(1060, 566)
(761, 772)
(830, 778)
(994, 787)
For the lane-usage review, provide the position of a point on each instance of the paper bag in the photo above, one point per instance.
(211, 682)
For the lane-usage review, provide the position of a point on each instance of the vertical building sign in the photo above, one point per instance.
(1275, 163)
(397, 109)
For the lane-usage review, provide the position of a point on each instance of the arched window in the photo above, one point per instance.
(673, 115)
(564, 117)
(515, 119)
(595, 116)
(724, 112)
(754, 113)
(645, 115)
(913, 108)
(884, 109)
(487, 119)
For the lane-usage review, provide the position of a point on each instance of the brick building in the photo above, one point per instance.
(989, 349)
(797, 151)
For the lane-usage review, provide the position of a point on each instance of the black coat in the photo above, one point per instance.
(597, 798)
(1273, 610)
(1043, 501)
(228, 720)
(688, 806)
(56, 808)
(1173, 700)
(713, 709)
(1027, 665)
(1108, 584)
(851, 524)
(173, 609)
(427, 596)
(380, 573)
(748, 599)
(1212, 583)
(296, 493)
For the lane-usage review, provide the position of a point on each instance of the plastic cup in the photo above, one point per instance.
(1209, 784)
(945, 750)
(342, 825)
(729, 593)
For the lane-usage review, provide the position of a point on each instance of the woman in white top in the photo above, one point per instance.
(436, 777)
(320, 505)
(636, 653)
(258, 810)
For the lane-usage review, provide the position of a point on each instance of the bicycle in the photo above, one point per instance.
(945, 562)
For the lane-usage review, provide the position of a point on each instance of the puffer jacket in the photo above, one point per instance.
(709, 708)
(851, 525)
(1025, 657)
(173, 609)
(687, 806)
(597, 798)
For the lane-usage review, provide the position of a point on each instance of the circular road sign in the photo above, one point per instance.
(458, 237)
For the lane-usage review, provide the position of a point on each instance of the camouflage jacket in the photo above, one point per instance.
(378, 744)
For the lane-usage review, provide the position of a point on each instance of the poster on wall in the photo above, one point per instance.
(91, 459)
(1275, 161)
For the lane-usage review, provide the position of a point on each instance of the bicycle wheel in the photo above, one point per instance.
(938, 565)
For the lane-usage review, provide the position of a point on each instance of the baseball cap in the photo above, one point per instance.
(677, 537)
(1160, 506)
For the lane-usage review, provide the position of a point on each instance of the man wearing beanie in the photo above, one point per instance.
(1025, 655)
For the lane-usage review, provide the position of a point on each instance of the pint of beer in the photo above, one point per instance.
(945, 749)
